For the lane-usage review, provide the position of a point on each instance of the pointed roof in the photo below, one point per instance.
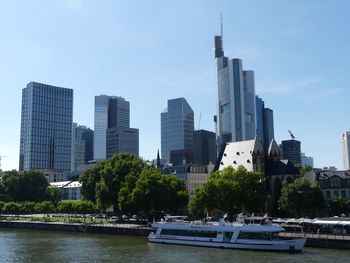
(273, 148)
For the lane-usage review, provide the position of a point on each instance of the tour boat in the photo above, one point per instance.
(238, 235)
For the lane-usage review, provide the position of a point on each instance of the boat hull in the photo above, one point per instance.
(281, 245)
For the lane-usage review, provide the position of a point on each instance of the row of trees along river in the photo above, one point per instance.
(131, 185)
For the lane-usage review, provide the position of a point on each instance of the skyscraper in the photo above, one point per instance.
(46, 127)
(236, 98)
(177, 125)
(291, 151)
(205, 149)
(307, 160)
(264, 122)
(122, 140)
(110, 112)
(345, 141)
(82, 146)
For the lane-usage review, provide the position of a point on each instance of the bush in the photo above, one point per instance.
(11, 208)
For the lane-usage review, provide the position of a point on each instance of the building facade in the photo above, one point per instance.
(291, 150)
(82, 146)
(70, 189)
(177, 126)
(205, 148)
(345, 141)
(236, 120)
(46, 127)
(110, 112)
(307, 160)
(122, 140)
(264, 122)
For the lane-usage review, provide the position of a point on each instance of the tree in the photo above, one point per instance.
(339, 206)
(231, 191)
(102, 183)
(300, 198)
(25, 186)
(158, 192)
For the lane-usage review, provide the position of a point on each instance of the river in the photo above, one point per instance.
(46, 246)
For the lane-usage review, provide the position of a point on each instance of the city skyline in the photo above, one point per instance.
(93, 48)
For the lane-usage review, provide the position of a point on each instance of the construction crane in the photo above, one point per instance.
(0, 160)
(291, 135)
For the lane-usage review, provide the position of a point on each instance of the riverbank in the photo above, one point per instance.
(120, 229)
(313, 240)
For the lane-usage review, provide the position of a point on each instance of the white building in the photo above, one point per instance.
(345, 140)
(70, 189)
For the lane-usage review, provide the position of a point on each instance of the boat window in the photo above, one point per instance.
(192, 233)
(259, 235)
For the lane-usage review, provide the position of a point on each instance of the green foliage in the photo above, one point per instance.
(2, 204)
(11, 208)
(27, 207)
(305, 169)
(339, 206)
(156, 191)
(102, 183)
(78, 207)
(231, 191)
(25, 186)
(300, 198)
(54, 194)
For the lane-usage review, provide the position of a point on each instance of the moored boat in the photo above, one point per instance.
(239, 235)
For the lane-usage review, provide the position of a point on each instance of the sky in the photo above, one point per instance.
(155, 50)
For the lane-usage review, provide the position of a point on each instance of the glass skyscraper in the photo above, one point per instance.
(82, 146)
(177, 125)
(110, 112)
(236, 98)
(264, 122)
(46, 127)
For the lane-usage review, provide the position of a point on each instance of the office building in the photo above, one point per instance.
(82, 146)
(205, 148)
(110, 112)
(122, 140)
(46, 127)
(345, 141)
(264, 122)
(291, 151)
(307, 160)
(236, 98)
(177, 126)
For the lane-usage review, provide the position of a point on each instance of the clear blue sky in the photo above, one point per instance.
(152, 51)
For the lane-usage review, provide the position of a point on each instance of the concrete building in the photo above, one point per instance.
(110, 113)
(307, 160)
(194, 176)
(46, 127)
(291, 151)
(345, 141)
(53, 176)
(122, 140)
(236, 99)
(177, 126)
(205, 148)
(332, 183)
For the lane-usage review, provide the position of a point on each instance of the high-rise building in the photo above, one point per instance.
(291, 151)
(82, 146)
(307, 160)
(177, 125)
(236, 98)
(345, 141)
(204, 145)
(46, 127)
(110, 112)
(264, 122)
(122, 140)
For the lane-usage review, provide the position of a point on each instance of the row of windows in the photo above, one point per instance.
(192, 233)
(336, 193)
(259, 235)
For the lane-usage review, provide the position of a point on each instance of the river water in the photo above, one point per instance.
(52, 247)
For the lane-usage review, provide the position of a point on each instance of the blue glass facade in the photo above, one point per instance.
(46, 127)
(264, 122)
(177, 125)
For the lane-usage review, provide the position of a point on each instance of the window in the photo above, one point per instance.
(191, 233)
(259, 235)
(328, 195)
(343, 194)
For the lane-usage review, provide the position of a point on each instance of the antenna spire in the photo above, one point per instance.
(222, 27)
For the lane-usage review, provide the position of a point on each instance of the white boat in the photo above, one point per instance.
(239, 235)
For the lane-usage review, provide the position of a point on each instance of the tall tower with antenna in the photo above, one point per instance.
(236, 113)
